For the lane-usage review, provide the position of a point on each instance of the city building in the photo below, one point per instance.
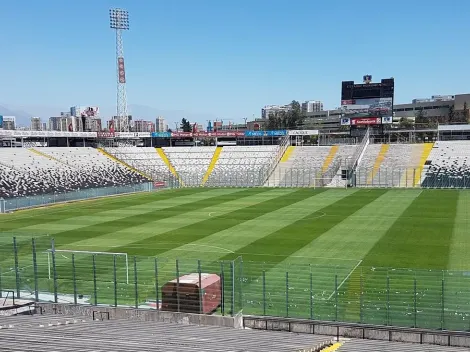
(272, 109)
(143, 126)
(9, 122)
(36, 124)
(160, 124)
(44, 126)
(312, 106)
(54, 122)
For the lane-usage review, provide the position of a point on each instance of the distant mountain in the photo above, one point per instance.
(22, 117)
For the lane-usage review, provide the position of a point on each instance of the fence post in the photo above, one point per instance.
(115, 280)
(388, 300)
(156, 285)
(442, 304)
(35, 268)
(54, 270)
(414, 303)
(74, 278)
(232, 298)
(136, 284)
(336, 297)
(240, 280)
(361, 298)
(200, 285)
(17, 270)
(222, 288)
(287, 294)
(264, 292)
(311, 294)
(177, 285)
(95, 290)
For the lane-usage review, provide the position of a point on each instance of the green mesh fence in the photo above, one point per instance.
(324, 290)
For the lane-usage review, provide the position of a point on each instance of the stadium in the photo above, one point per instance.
(353, 240)
(342, 230)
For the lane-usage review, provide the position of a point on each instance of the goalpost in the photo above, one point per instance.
(63, 252)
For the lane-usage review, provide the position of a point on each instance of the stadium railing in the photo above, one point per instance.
(11, 204)
(40, 269)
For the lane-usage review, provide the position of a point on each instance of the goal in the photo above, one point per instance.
(104, 258)
(328, 182)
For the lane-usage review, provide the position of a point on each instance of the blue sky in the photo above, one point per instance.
(230, 58)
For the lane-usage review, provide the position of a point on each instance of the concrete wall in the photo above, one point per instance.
(141, 314)
(444, 338)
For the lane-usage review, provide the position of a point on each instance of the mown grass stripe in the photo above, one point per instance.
(240, 235)
(30, 218)
(460, 245)
(197, 231)
(421, 237)
(281, 244)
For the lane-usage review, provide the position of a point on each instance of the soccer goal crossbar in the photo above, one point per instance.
(91, 253)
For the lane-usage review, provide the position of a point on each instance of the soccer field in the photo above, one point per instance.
(398, 257)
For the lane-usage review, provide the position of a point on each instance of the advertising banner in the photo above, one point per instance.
(105, 134)
(161, 134)
(48, 134)
(181, 134)
(265, 133)
(366, 121)
(219, 134)
(387, 120)
(158, 184)
(132, 134)
(303, 133)
(345, 121)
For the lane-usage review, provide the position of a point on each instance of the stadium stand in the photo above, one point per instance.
(310, 163)
(386, 346)
(190, 163)
(145, 159)
(54, 170)
(243, 166)
(448, 165)
(41, 333)
(389, 165)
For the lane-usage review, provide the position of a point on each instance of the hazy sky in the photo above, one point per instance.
(229, 58)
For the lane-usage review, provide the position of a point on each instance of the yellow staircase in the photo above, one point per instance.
(378, 161)
(424, 156)
(333, 347)
(119, 161)
(35, 151)
(214, 159)
(287, 153)
(165, 159)
(329, 159)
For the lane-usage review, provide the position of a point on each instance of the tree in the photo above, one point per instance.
(420, 119)
(405, 123)
(465, 113)
(185, 125)
(451, 114)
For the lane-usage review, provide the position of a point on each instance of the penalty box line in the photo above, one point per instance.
(345, 279)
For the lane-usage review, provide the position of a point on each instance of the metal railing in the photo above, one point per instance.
(341, 290)
(11, 204)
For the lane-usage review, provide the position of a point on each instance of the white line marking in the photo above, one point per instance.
(63, 256)
(211, 213)
(347, 277)
(202, 245)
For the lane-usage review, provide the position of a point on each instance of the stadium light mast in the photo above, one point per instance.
(119, 21)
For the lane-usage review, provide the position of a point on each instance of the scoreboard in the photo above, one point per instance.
(352, 91)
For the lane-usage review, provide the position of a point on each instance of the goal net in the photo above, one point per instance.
(84, 263)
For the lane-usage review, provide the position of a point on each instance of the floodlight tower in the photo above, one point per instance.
(119, 21)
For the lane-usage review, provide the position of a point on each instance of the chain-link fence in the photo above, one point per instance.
(334, 290)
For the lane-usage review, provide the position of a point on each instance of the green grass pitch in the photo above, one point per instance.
(399, 257)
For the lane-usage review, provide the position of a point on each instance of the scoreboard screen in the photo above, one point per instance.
(351, 91)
